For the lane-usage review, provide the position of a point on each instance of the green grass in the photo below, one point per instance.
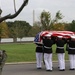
(23, 52)
(55, 55)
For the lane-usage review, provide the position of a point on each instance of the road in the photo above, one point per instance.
(30, 69)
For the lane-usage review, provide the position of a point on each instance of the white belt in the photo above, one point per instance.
(47, 47)
(71, 48)
(39, 46)
(60, 47)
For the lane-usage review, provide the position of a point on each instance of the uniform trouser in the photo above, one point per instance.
(61, 60)
(48, 61)
(72, 61)
(39, 59)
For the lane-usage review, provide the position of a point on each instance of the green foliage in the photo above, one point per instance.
(19, 28)
(35, 29)
(4, 32)
(58, 27)
(58, 16)
(72, 26)
(45, 20)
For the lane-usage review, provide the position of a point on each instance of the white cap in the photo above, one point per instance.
(73, 37)
(48, 35)
(59, 36)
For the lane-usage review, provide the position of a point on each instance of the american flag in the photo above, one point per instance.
(37, 37)
(65, 34)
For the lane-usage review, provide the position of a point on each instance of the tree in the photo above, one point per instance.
(35, 29)
(55, 24)
(48, 23)
(18, 29)
(45, 20)
(12, 30)
(66, 26)
(58, 26)
(72, 26)
(11, 16)
(4, 32)
(22, 28)
(58, 16)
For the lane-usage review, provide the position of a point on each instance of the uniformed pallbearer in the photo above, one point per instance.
(60, 52)
(71, 52)
(47, 44)
(38, 50)
(39, 55)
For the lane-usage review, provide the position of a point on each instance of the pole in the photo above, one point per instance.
(33, 17)
(0, 9)
(14, 6)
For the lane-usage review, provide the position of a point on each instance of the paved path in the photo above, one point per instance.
(30, 69)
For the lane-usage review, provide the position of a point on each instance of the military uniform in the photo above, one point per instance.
(47, 43)
(3, 57)
(71, 52)
(60, 52)
(39, 55)
(38, 50)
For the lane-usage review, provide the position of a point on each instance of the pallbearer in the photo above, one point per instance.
(60, 42)
(47, 44)
(39, 51)
(71, 52)
(39, 55)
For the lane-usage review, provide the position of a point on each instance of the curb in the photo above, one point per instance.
(17, 63)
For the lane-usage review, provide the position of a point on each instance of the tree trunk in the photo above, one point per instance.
(14, 39)
(0, 39)
(9, 16)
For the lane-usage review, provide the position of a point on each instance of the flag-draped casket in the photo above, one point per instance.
(65, 34)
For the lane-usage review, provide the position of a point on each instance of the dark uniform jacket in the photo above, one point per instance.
(47, 44)
(71, 45)
(60, 46)
(39, 48)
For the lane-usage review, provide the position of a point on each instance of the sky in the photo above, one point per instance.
(66, 7)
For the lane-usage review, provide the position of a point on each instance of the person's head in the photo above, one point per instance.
(59, 37)
(48, 36)
(72, 37)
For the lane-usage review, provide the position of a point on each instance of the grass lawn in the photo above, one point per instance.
(23, 52)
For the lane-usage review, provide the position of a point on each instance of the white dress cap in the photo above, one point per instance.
(48, 35)
(73, 37)
(59, 36)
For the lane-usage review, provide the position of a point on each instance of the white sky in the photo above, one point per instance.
(66, 7)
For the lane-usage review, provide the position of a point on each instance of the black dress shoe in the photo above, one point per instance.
(49, 70)
(39, 68)
(71, 69)
(62, 70)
